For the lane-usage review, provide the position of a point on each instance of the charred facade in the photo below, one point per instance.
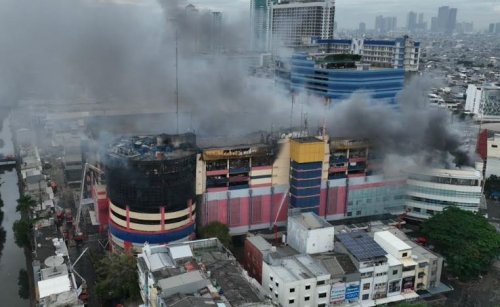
(151, 187)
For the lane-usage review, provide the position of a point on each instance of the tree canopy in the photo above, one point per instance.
(117, 278)
(24, 204)
(217, 230)
(23, 227)
(466, 240)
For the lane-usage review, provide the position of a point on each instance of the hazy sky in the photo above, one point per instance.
(351, 12)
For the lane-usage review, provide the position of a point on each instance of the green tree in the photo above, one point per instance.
(22, 232)
(24, 205)
(466, 240)
(217, 230)
(23, 283)
(117, 278)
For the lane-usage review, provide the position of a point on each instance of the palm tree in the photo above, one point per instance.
(24, 204)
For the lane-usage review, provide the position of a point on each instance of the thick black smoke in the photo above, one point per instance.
(413, 128)
(124, 55)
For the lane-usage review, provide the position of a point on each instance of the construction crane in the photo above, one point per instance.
(83, 202)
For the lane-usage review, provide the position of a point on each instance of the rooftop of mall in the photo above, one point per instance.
(154, 147)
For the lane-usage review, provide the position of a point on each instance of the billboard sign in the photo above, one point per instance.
(352, 292)
(337, 293)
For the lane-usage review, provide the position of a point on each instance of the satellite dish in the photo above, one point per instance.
(54, 261)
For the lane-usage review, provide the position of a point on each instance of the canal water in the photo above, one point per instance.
(12, 257)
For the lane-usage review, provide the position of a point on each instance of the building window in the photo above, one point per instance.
(394, 272)
(320, 282)
(321, 305)
(271, 288)
(271, 278)
(358, 212)
(277, 284)
(405, 254)
(366, 286)
(366, 296)
(322, 295)
(308, 287)
(349, 213)
(291, 301)
(306, 298)
(292, 290)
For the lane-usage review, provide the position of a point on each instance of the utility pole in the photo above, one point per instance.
(176, 80)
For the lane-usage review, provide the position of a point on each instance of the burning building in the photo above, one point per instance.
(151, 189)
(252, 187)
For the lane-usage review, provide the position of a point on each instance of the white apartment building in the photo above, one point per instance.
(432, 190)
(484, 101)
(297, 281)
(402, 52)
(370, 260)
(403, 253)
(295, 22)
(493, 156)
(428, 265)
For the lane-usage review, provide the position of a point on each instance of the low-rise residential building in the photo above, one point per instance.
(403, 253)
(371, 262)
(201, 271)
(368, 267)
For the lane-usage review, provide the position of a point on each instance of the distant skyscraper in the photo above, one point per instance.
(447, 19)
(215, 28)
(491, 28)
(259, 23)
(362, 27)
(442, 19)
(452, 21)
(379, 24)
(392, 23)
(411, 22)
(497, 28)
(295, 22)
(422, 25)
(420, 18)
(434, 24)
(385, 24)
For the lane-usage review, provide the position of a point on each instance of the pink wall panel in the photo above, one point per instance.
(336, 200)
(266, 208)
(322, 202)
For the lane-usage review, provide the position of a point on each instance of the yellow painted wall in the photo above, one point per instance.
(307, 152)
(281, 166)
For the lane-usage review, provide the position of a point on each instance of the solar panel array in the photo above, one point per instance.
(361, 245)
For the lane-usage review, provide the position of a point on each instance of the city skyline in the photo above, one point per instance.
(480, 12)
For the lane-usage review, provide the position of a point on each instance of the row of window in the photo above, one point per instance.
(442, 192)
